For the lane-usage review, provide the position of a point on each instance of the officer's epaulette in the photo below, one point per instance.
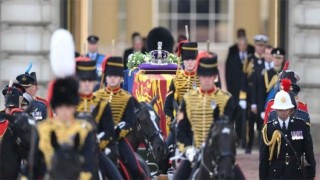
(274, 121)
(300, 120)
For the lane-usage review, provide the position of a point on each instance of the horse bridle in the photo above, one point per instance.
(147, 141)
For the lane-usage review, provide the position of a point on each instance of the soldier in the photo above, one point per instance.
(12, 95)
(38, 109)
(184, 81)
(289, 85)
(38, 98)
(199, 109)
(252, 68)
(286, 143)
(98, 112)
(122, 106)
(64, 101)
(94, 55)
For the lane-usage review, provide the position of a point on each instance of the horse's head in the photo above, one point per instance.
(220, 149)
(148, 126)
(66, 161)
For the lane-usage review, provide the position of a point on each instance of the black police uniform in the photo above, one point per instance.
(122, 106)
(280, 162)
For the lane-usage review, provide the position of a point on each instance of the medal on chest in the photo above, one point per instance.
(296, 135)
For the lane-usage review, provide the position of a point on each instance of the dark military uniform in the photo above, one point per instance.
(279, 162)
(44, 150)
(253, 68)
(37, 109)
(122, 106)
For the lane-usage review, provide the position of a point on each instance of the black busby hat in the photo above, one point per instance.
(12, 95)
(26, 80)
(16, 86)
(160, 34)
(189, 50)
(293, 76)
(113, 66)
(86, 70)
(278, 53)
(93, 39)
(208, 64)
(65, 92)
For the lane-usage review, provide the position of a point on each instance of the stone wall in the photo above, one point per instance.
(26, 28)
(304, 56)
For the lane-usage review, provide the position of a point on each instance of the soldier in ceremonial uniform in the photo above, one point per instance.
(184, 81)
(13, 101)
(98, 112)
(288, 80)
(122, 106)
(285, 141)
(38, 109)
(199, 109)
(94, 55)
(40, 99)
(64, 101)
(252, 69)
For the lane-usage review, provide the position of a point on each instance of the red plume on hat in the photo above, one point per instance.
(180, 46)
(286, 84)
(286, 65)
(104, 64)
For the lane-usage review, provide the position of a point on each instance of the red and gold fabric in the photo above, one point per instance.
(147, 86)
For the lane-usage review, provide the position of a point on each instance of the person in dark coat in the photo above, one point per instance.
(286, 140)
(234, 49)
(137, 45)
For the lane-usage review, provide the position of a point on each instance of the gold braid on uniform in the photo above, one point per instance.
(118, 102)
(248, 67)
(201, 113)
(275, 139)
(183, 84)
(271, 83)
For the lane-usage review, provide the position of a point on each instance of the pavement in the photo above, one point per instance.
(249, 163)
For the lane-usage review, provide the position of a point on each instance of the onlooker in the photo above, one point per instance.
(137, 45)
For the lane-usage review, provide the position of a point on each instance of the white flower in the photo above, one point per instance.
(147, 58)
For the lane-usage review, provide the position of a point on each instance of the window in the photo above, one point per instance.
(206, 19)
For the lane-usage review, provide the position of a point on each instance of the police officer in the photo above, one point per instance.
(252, 69)
(184, 81)
(98, 112)
(122, 106)
(94, 55)
(285, 141)
(38, 109)
(199, 109)
(64, 101)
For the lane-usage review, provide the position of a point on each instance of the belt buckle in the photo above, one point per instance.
(287, 160)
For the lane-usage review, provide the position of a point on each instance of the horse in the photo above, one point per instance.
(15, 143)
(216, 160)
(67, 160)
(146, 131)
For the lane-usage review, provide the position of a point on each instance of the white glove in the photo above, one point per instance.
(262, 115)
(243, 104)
(121, 124)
